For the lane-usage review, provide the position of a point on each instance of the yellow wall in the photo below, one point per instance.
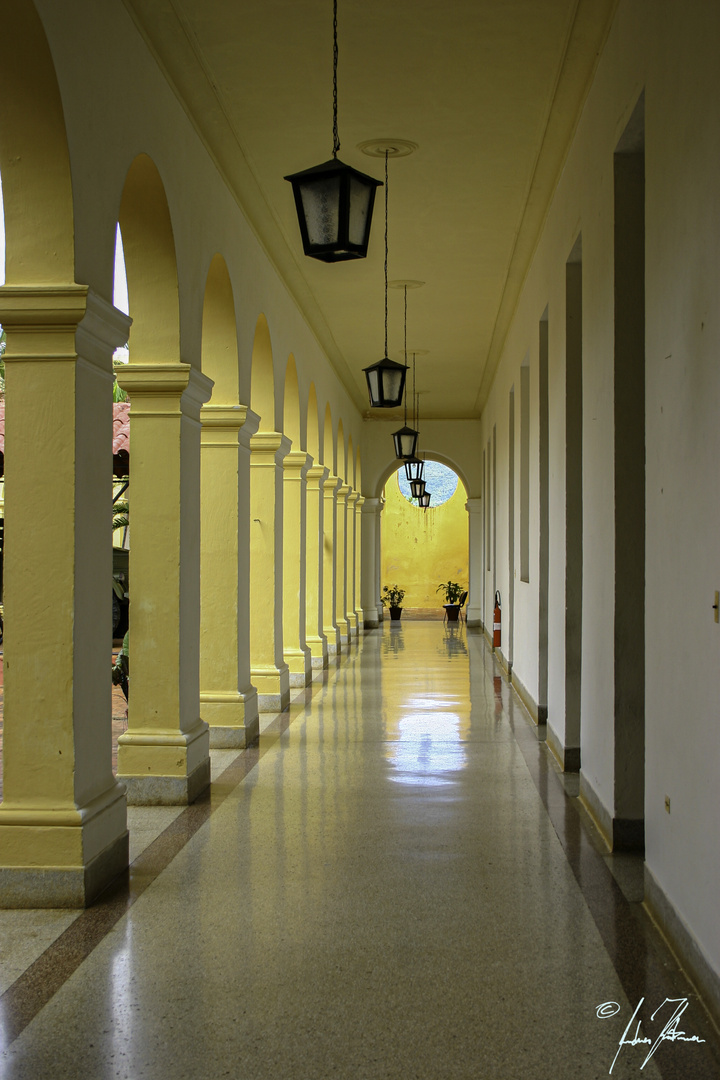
(421, 548)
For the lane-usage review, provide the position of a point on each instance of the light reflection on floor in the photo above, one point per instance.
(428, 749)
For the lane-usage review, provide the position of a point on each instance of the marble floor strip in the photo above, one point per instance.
(397, 882)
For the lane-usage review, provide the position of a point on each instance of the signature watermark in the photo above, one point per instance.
(672, 1010)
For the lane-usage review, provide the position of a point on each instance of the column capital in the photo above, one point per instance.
(343, 490)
(61, 322)
(225, 417)
(473, 506)
(295, 464)
(227, 425)
(268, 447)
(353, 497)
(360, 502)
(373, 506)
(26, 308)
(318, 474)
(165, 389)
(331, 483)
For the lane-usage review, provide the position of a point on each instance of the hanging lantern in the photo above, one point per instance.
(334, 202)
(417, 488)
(405, 442)
(424, 499)
(414, 469)
(386, 383)
(386, 379)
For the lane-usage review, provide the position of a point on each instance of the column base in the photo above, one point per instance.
(167, 790)
(62, 857)
(334, 640)
(370, 619)
(232, 718)
(318, 652)
(273, 688)
(63, 886)
(164, 769)
(299, 662)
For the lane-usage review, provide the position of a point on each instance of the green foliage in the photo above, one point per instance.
(121, 512)
(118, 393)
(392, 596)
(452, 591)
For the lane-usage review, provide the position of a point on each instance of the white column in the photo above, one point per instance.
(228, 700)
(63, 830)
(330, 627)
(314, 636)
(350, 610)
(295, 652)
(164, 756)
(475, 559)
(378, 563)
(369, 584)
(358, 562)
(341, 566)
(267, 667)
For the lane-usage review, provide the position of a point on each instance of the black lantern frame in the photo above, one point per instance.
(424, 499)
(414, 469)
(405, 442)
(334, 204)
(417, 488)
(386, 383)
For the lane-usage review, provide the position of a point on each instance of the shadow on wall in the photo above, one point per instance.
(421, 548)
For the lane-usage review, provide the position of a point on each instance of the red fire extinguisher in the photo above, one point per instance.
(496, 622)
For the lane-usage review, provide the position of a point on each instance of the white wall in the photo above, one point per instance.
(670, 51)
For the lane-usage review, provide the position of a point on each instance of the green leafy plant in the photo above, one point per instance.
(392, 596)
(452, 591)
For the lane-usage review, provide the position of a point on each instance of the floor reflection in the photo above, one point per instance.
(453, 641)
(428, 748)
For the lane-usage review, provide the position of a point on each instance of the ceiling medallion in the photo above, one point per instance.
(394, 148)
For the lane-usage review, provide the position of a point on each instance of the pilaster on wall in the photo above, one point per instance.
(350, 613)
(371, 510)
(228, 700)
(267, 667)
(63, 831)
(296, 653)
(474, 612)
(163, 757)
(357, 569)
(341, 563)
(330, 628)
(314, 585)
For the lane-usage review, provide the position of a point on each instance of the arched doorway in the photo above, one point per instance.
(420, 548)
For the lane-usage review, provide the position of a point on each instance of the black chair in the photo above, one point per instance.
(461, 603)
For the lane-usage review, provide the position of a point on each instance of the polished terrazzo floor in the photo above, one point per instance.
(396, 882)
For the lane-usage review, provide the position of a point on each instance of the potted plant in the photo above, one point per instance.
(392, 597)
(453, 592)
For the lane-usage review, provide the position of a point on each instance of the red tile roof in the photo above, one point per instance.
(121, 426)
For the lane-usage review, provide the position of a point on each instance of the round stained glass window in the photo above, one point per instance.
(441, 483)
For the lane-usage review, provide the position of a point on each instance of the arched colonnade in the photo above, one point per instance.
(245, 508)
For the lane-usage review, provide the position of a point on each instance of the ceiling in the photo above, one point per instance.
(489, 90)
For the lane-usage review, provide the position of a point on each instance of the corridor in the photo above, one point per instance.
(394, 883)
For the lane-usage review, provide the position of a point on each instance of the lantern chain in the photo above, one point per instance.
(405, 348)
(386, 249)
(336, 137)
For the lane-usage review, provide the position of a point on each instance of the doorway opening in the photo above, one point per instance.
(423, 548)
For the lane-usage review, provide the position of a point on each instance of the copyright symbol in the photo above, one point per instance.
(607, 1009)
